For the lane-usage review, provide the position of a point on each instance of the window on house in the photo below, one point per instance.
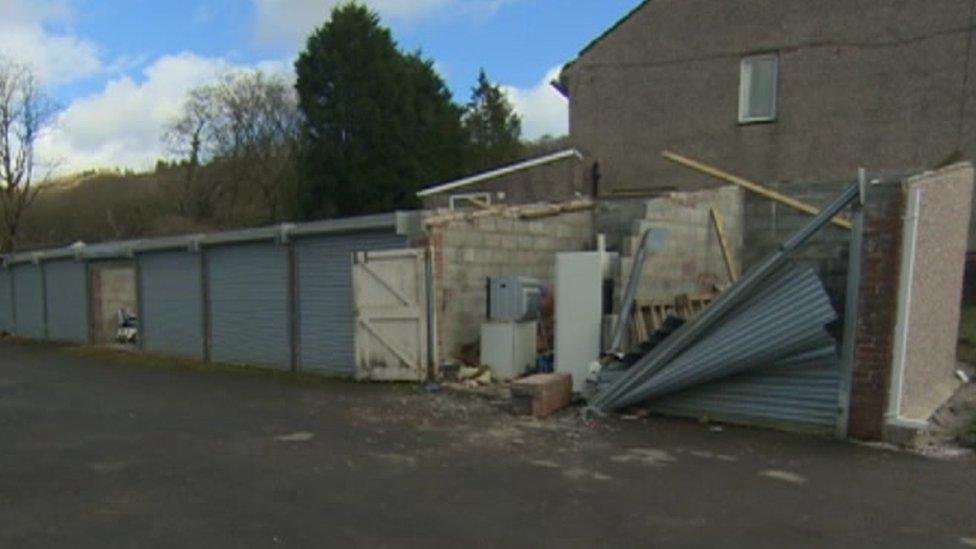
(757, 88)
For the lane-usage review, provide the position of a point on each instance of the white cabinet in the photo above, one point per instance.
(508, 348)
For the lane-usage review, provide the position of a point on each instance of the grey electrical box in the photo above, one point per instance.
(513, 298)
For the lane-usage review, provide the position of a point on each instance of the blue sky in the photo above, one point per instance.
(120, 68)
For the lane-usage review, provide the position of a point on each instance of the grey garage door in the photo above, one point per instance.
(28, 301)
(327, 340)
(6, 304)
(66, 288)
(171, 307)
(249, 321)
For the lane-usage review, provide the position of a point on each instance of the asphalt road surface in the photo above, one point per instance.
(98, 450)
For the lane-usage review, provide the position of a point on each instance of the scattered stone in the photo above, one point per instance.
(107, 467)
(645, 456)
(301, 436)
(784, 476)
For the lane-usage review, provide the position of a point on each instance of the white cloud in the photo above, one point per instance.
(56, 57)
(543, 109)
(123, 124)
(290, 21)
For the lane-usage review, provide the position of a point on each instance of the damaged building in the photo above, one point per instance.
(790, 291)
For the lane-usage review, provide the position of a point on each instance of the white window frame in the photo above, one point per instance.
(477, 199)
(745, 87)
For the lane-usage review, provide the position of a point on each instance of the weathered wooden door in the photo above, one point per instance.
(390, 296)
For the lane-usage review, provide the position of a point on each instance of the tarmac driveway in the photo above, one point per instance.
(98, 450)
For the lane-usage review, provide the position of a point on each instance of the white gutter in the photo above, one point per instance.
(492, 174)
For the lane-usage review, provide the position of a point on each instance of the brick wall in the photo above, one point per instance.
(466, 253)
(877, 311)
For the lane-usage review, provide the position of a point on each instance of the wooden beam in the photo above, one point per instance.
(724, 245)
(752, 186)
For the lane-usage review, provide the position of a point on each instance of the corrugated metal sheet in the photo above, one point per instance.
(784, 317)
(770, 360)
(249, 311)
(802, 393)
(325, 303)
(171, 306)
(66, 287)
(28, 301)
(6, 302)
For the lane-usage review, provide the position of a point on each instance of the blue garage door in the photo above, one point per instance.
(249, 312)
(66, 288)
(28, 301)
(6, 302)
(325, 297)
(171, 307)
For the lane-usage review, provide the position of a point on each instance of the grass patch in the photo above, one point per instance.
(138, 359)
(967, 326)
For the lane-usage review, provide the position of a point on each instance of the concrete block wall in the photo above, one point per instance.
(691, 259)
(466, 253)
(769, 223)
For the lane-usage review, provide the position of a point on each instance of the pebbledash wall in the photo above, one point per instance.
(912, 263)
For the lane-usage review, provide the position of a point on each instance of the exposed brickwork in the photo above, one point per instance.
(877, 311)
(542, 394)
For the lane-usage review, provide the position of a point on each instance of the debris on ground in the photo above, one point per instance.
(785, 476)
(301, 436)
(474, 376)
(540, 395)
(953, 426)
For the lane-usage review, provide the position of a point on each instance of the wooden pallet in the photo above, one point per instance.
(649, 316)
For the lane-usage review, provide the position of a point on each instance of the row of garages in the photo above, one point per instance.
(279, 297)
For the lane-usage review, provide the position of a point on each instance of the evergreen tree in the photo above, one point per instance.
(379, 124)
(494, 128)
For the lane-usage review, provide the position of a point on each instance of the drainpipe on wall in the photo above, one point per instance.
(906, 280)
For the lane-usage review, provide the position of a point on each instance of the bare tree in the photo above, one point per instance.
(190, 136)
(25, 111)
(256, 133)
(247, 125)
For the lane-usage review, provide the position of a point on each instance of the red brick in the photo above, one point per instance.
(542, 394)
(881, 256)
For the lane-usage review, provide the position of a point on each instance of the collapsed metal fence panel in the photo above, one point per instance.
(6, 301)
(66, 299)
(28, 301)
(325, 300)
(801, 393)
(248, 286)
(786, 316)
(171, 303)
(764, 319)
